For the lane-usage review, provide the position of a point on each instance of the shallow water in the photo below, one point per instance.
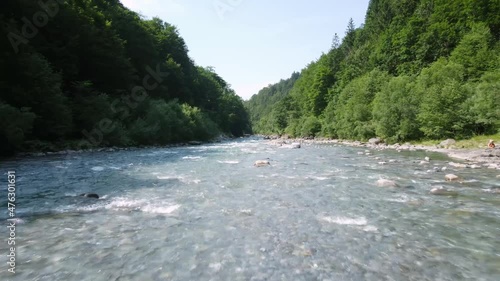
(206, 213)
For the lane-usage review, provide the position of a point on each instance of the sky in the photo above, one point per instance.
(254, 43)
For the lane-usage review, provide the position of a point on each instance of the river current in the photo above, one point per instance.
(207, 213)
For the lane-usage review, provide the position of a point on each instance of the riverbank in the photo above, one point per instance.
(471, 158)
(72, 148)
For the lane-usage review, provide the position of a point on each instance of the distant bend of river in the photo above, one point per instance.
(206, 213)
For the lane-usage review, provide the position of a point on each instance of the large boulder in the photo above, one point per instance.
(386, 183)
(447, 143)
(375, 141)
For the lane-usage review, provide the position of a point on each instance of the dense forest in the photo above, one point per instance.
(417, 69)
(86, 73)
(264, 107)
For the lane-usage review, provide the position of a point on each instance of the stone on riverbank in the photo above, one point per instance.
(447, 143)
(375, 141)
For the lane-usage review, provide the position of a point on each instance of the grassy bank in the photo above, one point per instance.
(472, 143)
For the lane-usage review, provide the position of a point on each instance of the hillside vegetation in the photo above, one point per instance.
(417, 69)
(85, 73)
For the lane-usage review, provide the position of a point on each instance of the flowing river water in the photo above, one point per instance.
(206, 213)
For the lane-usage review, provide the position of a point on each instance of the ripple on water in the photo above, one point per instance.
(313, 215)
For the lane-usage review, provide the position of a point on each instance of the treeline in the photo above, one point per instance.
(80, 73)
(417, 69)
(264, 108)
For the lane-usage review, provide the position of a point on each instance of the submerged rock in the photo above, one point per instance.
(90, 195)
(443, 191)
(386, 183)
(262, 163)
(451, 177)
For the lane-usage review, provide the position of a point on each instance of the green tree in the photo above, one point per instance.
(395, 110)
(443, 93)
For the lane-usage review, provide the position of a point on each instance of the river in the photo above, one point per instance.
(206, 213)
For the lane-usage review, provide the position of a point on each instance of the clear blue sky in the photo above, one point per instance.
(254, 43)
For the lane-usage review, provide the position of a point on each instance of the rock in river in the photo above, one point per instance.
(261, 163)
(90, 195)
(451, 177)
(386, 183)
(443, 191)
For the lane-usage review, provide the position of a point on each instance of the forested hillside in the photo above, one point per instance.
(417, 69)
(267, 107)
(83, 73)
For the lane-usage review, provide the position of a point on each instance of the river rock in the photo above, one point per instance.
(443, 191)
(90, 195)
(451, 177)
(447, 143)
(375, 141)
(262, 163)
(427, 159)
(386, 183)
(294, 145)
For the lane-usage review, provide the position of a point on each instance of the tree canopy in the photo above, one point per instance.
(94, 73)
(416, 69)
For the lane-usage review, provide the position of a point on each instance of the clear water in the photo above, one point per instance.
(206, 213)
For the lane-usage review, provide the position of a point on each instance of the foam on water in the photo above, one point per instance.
(345, 220)
(168, 209)
(192, 157)
(229, 161)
